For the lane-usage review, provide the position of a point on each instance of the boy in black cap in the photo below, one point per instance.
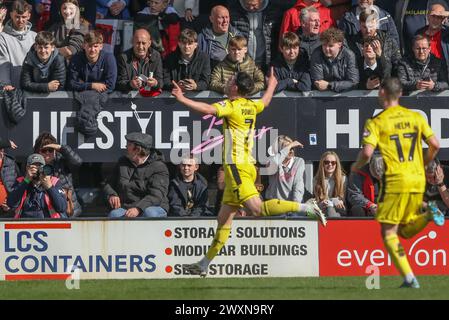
(139, 184)
(37, 195)
(9, 170)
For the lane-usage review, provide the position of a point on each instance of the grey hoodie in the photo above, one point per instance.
(14, 46)
(256, 43)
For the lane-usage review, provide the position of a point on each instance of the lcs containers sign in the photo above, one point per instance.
(348, 247)
(54, 250)
(155, 249)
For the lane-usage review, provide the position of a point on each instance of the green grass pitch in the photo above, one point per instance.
(323, 288)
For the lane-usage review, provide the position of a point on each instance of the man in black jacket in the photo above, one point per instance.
(188, 66)
(44, 68)
(188, 191)
(140, 60)
(309, 31)
(139, 185)
(423, 71)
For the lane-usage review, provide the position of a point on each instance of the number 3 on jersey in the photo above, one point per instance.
(412, 136)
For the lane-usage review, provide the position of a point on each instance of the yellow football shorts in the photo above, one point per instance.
(239, 184)
(399, 208)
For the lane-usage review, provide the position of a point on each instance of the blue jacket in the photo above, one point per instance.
(212, 47)
(104, 10)
(82, 74)
(34, 205)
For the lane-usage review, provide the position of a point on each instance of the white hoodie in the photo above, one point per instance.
(14, 46)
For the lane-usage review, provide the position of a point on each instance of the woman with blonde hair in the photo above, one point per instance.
(329, 185)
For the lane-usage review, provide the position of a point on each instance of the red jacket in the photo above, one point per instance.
(368, 188)
(291, 21)
(170, 39)
(51, 209)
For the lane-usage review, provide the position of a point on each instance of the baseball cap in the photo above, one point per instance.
(35, 158)
(141, 139)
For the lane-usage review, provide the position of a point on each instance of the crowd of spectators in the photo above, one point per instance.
(328, 45)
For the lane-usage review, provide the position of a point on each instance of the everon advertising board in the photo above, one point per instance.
(349, 247)
(155, 249)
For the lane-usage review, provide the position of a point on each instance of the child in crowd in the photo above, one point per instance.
(44, 68)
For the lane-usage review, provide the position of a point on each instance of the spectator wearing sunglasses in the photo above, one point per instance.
(63, 159)
(423, 71)
(329, 185)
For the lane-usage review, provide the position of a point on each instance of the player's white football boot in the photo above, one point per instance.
(316, 212)
(414, 284)
(195, 269)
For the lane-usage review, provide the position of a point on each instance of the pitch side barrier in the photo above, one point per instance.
(321, 121)
(157, 249)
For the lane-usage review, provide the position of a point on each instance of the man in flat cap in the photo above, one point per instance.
(9, 171)
(39, 194)
(138, 186)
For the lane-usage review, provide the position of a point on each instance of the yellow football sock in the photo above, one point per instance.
(409, 230)
(275, 207)
(221, 236)
(397, 254)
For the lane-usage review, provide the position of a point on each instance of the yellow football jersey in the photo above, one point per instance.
(398, 132)
(239, 121)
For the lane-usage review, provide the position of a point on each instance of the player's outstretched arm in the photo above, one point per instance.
(434, 147)
(272, 82)
(363, 157)
(194, 105)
